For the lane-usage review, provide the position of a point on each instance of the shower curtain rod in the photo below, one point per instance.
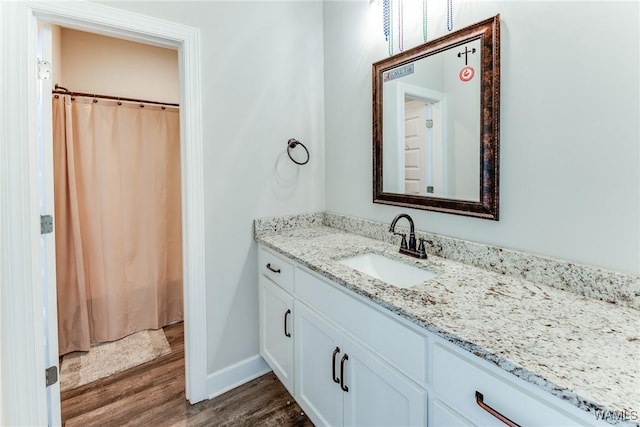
(63, 90)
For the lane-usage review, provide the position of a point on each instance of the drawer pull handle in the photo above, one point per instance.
(342, 386)
(333, 366)
(275, 270)
(286, 333)
(489, 409)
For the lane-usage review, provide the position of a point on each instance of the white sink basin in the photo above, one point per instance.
(388, 270)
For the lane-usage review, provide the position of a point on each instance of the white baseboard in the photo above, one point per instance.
(235, 375)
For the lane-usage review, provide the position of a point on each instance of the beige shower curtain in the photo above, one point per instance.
(118, 219)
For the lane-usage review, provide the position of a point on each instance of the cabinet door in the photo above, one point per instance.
(276, 330)
(318, 353)
(376, 395)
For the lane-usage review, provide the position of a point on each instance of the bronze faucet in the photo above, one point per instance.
(408, 249)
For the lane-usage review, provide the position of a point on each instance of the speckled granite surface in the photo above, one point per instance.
(593, 282)
(282, 223)
(584, 351)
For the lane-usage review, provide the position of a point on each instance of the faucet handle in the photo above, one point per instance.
(403, 243)
(421, 249)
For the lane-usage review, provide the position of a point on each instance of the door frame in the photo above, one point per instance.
(23, 389)
(428, 95)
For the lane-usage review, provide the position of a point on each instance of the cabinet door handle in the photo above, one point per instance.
(489, 409)
(286, 333)
(333, 366)
(342, 386)
(275, 270)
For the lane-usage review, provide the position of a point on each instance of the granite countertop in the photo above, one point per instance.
(584, 351)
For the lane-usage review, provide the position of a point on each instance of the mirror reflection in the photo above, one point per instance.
(431, 128)
(436, 124)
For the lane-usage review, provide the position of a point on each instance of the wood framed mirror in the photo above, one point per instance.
(436, 124)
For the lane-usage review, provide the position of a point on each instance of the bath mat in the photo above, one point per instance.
(79, 368)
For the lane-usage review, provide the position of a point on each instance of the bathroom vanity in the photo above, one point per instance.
(467, 347)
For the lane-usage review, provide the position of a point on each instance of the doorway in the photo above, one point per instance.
(117, 202)
(422, 157)
(26, 394)
(424, 150)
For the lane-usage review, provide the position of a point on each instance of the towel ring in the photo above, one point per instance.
(292, 144)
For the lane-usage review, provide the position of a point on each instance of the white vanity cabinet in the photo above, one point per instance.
(276, 317)
(337, 378)
(351, 362)
(340, 383)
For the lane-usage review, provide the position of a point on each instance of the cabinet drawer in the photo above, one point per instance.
(400, 346)
(456, 380)
(276, 268)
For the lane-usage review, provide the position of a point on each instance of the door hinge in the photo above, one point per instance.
(46, 224)
(429, 123)
(51, 375)
(44, 70)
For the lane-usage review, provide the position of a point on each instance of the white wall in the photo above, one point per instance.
(570, 152)
(463, 124)
(262, 80)
(92, 63)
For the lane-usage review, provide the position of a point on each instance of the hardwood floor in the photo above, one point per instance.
(153, 395)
